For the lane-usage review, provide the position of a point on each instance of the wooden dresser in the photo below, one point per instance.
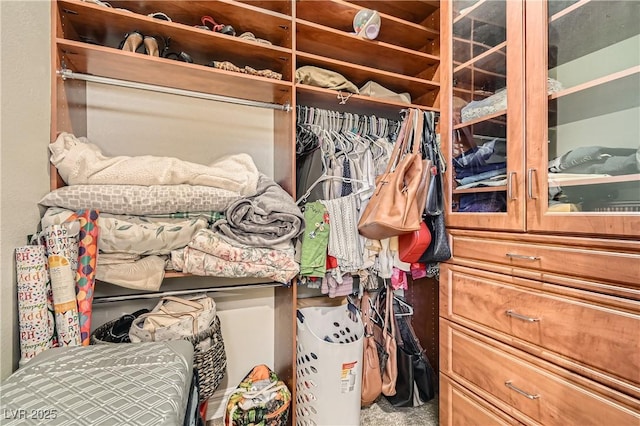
(540, 303)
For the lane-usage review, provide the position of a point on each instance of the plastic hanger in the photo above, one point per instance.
(329, 177)
(405, 305)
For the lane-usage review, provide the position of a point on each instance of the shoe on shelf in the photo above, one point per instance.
(208, 23)
(132, 41)
(151, 46)
(160, 15)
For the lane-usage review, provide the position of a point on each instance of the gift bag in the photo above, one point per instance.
(261, 398)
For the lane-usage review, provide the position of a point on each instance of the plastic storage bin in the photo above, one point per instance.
(329, 366)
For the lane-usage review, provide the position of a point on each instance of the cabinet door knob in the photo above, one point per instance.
(520, 316)
(509, 384)
(530, 184)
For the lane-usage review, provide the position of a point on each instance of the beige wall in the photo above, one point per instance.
(24, 133)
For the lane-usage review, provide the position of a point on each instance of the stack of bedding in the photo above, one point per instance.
(159, 213)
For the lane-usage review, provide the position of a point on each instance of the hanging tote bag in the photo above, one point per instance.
(439, 249)
(174, 318)
(397, 203)
(371, 374)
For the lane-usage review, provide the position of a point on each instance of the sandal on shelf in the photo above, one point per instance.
(182, 56)
(208, 23)
(131, 42)
(250, 36)
(160, 15)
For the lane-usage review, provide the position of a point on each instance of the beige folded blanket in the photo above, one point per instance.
(81, 162)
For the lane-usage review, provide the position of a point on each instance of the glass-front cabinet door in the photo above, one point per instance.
(583, 117)
(484, 145)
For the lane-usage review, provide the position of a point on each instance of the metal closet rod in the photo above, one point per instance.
(66, 73)
(157, 295)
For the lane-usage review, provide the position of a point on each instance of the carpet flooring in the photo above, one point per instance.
(381, 413)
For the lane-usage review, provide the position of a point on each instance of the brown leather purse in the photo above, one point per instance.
(397, 203)
(371, 375)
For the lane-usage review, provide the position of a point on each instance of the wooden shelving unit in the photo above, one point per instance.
(405, 58)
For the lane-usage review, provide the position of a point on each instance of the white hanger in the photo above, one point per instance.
(329, 177)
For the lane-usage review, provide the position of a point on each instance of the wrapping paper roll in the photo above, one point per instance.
(86, 273)
(36, 331)
(63, 285)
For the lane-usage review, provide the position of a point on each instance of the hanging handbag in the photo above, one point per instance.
(371, 374)
(174, 318)
(435, 194)
(416, 381)
(385, 338)
(397, 203)
(412, 245)
(438, 250)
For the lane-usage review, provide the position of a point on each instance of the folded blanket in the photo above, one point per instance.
(266, 219)
(208, 254)
(81, 162)
(135, 234)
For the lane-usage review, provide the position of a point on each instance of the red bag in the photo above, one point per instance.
(412, 245)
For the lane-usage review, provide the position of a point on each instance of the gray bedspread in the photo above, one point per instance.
(267, 219)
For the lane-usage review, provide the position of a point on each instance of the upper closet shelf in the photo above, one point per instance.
(598, 97)
(591, 25)
(423, 12)
(330, 99)
(340, 45)
(339, 15)
(99, 25)
(262, 22)
(486, 11)
(111, 63)
(423, 92)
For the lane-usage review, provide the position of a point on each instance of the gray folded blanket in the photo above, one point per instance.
(266, 219)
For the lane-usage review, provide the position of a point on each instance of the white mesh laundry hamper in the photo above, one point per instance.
(329, 366)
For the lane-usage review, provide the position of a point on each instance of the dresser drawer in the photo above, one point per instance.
(598, 336)
(526, 391)
(460, 407)
(594, 264)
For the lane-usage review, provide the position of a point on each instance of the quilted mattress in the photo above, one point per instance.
(111, 384)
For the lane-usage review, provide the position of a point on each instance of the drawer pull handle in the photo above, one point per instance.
(522, 317)
(530, 184)
(509, 384)
(522, 256)
(510, 186)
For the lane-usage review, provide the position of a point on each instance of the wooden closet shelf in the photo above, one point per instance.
(423, 92)
(82, 21)
(263, 23)
(477, 189)
(358, 104)
(423, 12)
(338, 14)
(595, 98)
(589, 26)
(328, 42)
(579, 181)
(278, 6)
(112, 63)
(492, 60)
(498, 118)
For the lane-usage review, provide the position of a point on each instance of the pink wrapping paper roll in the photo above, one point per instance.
(36, 333)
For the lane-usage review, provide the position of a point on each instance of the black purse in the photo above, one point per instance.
(416, 382)
(435, 194)
(438, 250)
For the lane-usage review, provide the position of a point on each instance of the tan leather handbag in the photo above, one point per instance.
(371, 375)
(397, 203)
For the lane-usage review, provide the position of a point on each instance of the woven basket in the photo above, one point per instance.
(211, 363)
